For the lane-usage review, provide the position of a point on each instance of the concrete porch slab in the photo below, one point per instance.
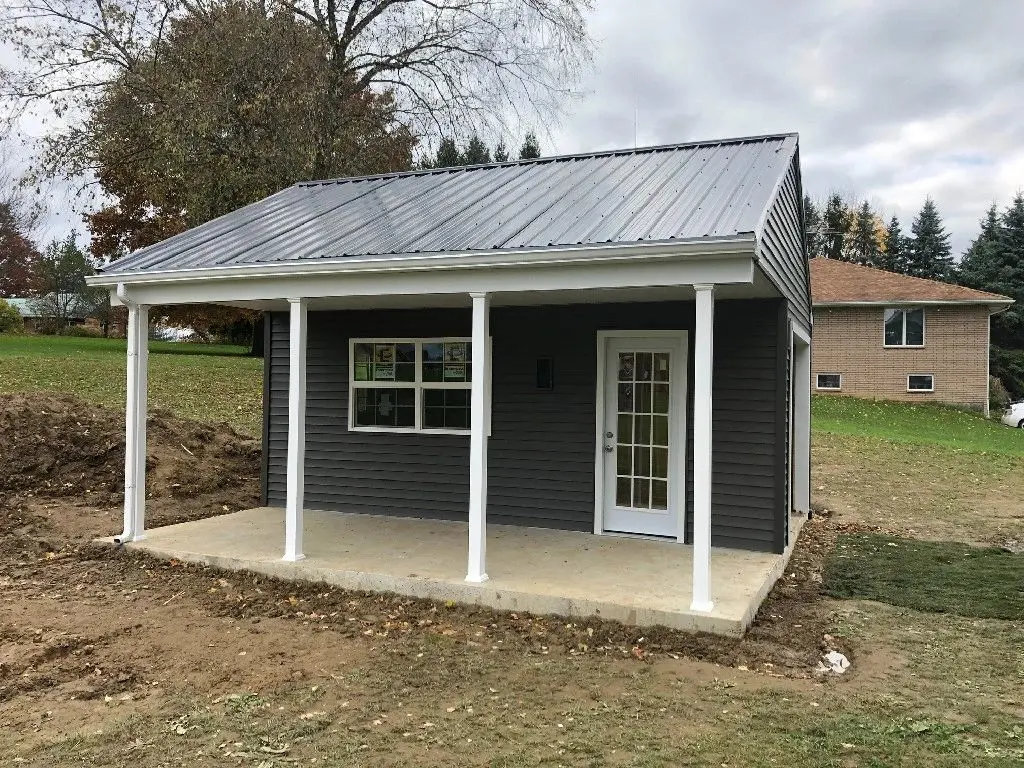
(538, 570)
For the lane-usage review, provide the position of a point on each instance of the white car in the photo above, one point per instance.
(1013, 416)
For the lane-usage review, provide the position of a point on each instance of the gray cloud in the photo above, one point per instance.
(893, 99)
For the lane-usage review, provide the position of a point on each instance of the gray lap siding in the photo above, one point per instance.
(541, 450)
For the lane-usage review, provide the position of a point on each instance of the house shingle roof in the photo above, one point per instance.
(840, 282)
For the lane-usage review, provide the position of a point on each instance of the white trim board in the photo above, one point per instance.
(622, 273)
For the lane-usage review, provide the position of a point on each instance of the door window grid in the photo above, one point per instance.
(642, 446)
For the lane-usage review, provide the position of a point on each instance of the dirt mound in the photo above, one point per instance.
(58, 445)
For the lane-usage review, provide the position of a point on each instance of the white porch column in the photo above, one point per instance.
(294, 494)
(479, 412)
(135, 425)
(703, 358)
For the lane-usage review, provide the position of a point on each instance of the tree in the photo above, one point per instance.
(894, 255)
(812, 229)
(531, 147)
(445, 63)
(836, 221)
(448, 154)
(500, 153)
(19, 257)
(19, 216)
(930, 254)
(863, 244)
(63, 292)
(225, 109)
(476, 152)
(10, 318)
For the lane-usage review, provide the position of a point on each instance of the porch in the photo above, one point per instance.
(537, 570)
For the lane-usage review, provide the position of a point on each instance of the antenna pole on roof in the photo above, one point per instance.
(636, 114)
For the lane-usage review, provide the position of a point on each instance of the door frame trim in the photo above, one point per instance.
(679, 465)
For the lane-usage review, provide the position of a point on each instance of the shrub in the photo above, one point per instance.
(1008, 366)
(998, 395)
(10, 319)
(82, 331)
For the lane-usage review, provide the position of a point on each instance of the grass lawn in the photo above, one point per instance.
(939, 576)
(207, 382)
(924, 424)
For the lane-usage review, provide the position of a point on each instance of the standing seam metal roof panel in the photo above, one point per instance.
(676, 192)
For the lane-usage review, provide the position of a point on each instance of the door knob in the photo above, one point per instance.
(608, 449)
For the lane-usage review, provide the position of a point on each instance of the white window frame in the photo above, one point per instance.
(418, 385)
(923, 391)
(817, 382)
(904, 345)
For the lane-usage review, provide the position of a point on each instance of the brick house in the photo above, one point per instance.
(894, 337)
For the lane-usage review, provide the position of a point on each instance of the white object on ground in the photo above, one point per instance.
(835, 662)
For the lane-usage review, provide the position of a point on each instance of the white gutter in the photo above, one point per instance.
(744, 245)
(1002, 304)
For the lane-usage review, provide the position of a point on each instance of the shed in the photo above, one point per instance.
(606, 351)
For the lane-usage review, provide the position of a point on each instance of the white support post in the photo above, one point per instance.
(478, 429)
(296, 465)
(135, 426)
(703, 359)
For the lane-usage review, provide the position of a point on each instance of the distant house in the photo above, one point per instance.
(886, 335)
(35, 320)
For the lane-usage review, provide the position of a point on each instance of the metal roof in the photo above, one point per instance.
(712, 189)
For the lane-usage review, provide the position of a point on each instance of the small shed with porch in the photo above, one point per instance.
(577, 384)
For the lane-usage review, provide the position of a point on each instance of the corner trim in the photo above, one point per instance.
(265, 448)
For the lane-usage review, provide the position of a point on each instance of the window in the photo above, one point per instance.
(904, 327)
(410, 385)
(920, 382)
(830, 381)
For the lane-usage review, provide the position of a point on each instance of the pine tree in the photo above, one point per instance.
(812, 229)
(476, 152)
(979, 266)
(863, 242)
(448, 154)
(930, 253)
(500, 153)
(836, 221)
(531, 147)
(894, 257)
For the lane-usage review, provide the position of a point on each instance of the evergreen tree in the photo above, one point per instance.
(448, 154)
(500, 153)
(531, 147)
(812, 229)
(476, 152)
(930, 253)
(836, 222)
(864, 247)
(979, 266)
(894, 257)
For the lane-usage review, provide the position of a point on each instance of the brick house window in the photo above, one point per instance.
(904, 327)
(830, 381)
(920, 382)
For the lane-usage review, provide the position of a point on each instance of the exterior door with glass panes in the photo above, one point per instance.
(643, 436)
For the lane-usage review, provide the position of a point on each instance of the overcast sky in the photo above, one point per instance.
(894, 100)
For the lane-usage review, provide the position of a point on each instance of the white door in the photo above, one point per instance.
(643, 433)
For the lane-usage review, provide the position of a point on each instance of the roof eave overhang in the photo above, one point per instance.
(740, 245)
(994, 305)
